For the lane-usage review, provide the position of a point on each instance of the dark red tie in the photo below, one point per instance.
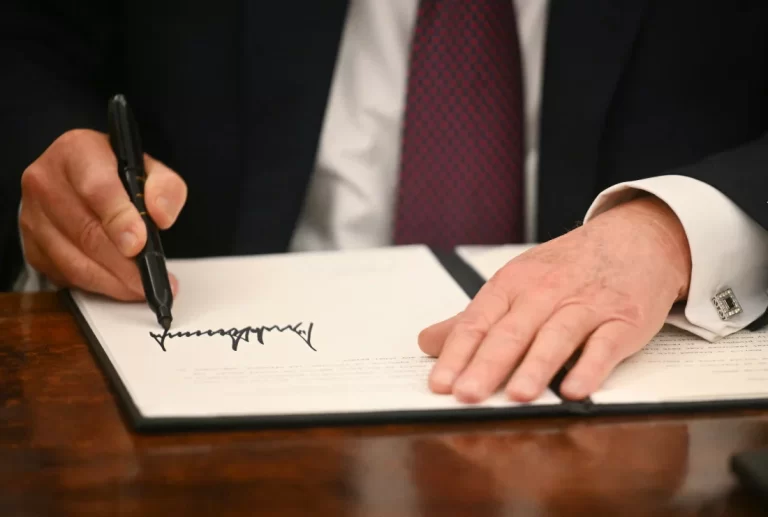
(462, 144)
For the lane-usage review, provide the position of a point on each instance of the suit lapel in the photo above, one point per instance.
(289, 55)
(588, 44)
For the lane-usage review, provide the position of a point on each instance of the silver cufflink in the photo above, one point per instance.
(726, 304)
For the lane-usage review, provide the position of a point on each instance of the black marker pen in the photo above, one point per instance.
(126, 144)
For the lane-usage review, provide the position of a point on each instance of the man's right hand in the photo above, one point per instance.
(78, 225)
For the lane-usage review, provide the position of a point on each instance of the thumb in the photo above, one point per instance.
(164, 193)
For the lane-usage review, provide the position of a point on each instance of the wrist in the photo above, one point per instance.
(665, 233)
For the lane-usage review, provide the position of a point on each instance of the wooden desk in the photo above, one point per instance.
(65, 450)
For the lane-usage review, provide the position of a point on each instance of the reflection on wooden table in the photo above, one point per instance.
(65, 450)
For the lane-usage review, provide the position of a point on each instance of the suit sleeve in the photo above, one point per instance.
(729, 250)
(738, 174)
(53, 57)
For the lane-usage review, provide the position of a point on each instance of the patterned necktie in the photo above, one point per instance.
(462, 145)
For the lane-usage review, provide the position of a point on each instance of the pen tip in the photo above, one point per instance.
(164, 317)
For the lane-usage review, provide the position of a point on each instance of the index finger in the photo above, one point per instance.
(488, 307)
(91, 168)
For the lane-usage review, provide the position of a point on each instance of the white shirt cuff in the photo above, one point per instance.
(728, 249)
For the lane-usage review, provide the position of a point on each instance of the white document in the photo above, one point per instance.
(676, 366)
(293, 334)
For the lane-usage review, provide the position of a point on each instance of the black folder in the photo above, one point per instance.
(470, 282)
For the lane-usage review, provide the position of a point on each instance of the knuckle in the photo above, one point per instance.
(494, 289)
(510, 333)
(495, 284)
(470, 328)
(69, 143)
(75, 137)
(33, 180)
(630, 312)
(92, 236)
(609, 348)
(559, 330)
(508, 272)
(112, 221)
(93, 183)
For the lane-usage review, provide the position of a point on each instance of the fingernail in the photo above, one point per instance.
(443, 378)
(467, 389)
(165, 206)
(574, 387)
(127, 242)
(523, 386)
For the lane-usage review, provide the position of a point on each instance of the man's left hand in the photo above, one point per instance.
(607, 286)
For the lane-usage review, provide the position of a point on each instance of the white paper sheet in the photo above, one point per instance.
(347, 338)
(677, 366)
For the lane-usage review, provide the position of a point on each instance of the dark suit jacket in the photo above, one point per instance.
(232, 93)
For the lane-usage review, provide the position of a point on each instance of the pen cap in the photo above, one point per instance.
(124, 134)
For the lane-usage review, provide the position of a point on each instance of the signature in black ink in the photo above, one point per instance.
(242, 334)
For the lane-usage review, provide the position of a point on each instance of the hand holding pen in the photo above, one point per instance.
(78, 225)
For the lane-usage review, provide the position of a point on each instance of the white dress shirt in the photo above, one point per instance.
(350, 202)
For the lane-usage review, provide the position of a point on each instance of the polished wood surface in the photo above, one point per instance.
(66, 450)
